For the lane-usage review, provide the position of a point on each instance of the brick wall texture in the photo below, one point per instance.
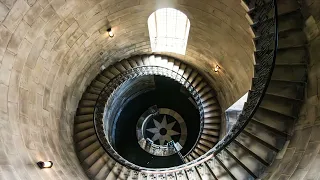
(51, 49)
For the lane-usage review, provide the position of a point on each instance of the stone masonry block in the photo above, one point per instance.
(35, 30)
(3, 98)
(309, 155)
(5, 35)
(33, 14)
(47, 13)
(6, 67)
(16, 14)
(4, 10)
(50, 26)
(62, 42)
(18, 36)
(8, 3)
(315, 136)
(311, 29)
(22, 55)
(13, 93)
(300, 139)
(35, 52)
(314, 52)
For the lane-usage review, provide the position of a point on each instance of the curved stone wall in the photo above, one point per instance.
(50, 51)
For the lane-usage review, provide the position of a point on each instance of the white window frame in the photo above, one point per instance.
(168, 30)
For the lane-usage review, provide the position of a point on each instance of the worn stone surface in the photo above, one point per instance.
(49, 53)
(306, 138)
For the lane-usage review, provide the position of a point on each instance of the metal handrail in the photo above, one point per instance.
(130, 74)
(260, 84)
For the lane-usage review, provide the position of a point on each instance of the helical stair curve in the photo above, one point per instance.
(103, 87)
(267, 120)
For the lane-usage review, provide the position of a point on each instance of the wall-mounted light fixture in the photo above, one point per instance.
(216, 69)
(46, 164)
(110, 32)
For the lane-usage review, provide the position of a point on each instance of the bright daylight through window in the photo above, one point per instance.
(169, 31)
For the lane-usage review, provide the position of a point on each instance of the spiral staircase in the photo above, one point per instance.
(262, 131)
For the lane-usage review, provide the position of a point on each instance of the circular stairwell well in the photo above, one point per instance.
(261, 133)
(186, 112)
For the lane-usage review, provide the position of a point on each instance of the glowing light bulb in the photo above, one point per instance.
(110, 32)
(216, 69)
(46, 164)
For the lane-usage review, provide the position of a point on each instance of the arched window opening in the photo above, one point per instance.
(168, 31)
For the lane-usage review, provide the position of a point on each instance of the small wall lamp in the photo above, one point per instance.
(110, 32)
(46, 164)
(216, 69)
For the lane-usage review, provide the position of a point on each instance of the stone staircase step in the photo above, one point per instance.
(153, 61)
(206, 97)
(241, 164)
(290, 73)
(209, 102)
(86, 142)
(97, 84)
(83, 118)
(219, 171)
(113, 70)
(293, 55)
(133, 63)
(97, 166)
(103, 173)
(86, 152)
(210, 126)
(212, 120)
(187, 73)
(102, 79)
(284, 7)
(206, 143)
(119, 67)
(192, 174)
(291, 38)
(85, 110)
(249, 161)
(199, 151)
(211, 172)
(286, 22)
(92, 90)
(258, 151)
(192, 77)
(252, 154)
(126, 64)
(89, 96)
(274, 119)
(269, 128)
(83, 126)
(108, 74)
(280, 105)
(203, 148)
(211, 108)
(124, 174)
(225, 168)
(86, 103)
(92, 158)
(114, 173)
(201, 87)
(262, 138)
(209, 137)
(84, 134)
(285, 89)
(215, 113)
(197, 81)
